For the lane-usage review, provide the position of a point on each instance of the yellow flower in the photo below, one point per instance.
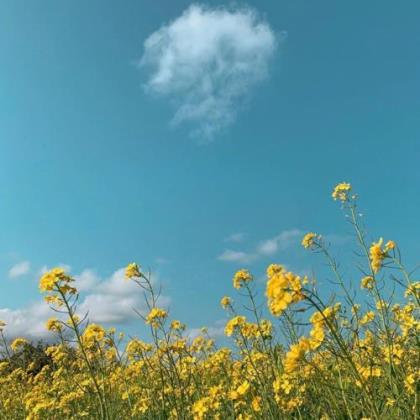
(200, 408)
(155, 315)
(52, 278)
(283, 288)
(256, 404)
(368, 317)
(413, 290)
(409, 383)
(243, 388)
(132, 270)
(53, 324)
(225, 302)
(390, 245)
(93, 333)
(17, 343)
(177, 325)
(240, 278)
(317, 337)
(273, 269)
(341, 191)
(295, 354)
(233, 324)
(367, 282)
(380, 305)
(309, 239)
(266, 328)
(377, 254)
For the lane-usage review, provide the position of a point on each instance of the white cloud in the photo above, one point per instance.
(19, 269)
(280, 242)
(236, 256)
(86, 280)
(267, 247)
(236, 237)
(114, 300)
(111, 300)
(206, 62)
(28, 322)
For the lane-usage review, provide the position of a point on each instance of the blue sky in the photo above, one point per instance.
(104, 161)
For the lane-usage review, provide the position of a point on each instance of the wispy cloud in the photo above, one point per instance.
(267, 247)
(280, 242)
(237, 256)
(236, 237)
(206, 62)
(20, 269)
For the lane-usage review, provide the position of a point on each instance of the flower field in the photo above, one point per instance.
(295, 354)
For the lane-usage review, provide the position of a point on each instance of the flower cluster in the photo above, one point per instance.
(314, 358)
(58, 284)
(309, 240)
(155, 316)
(240, 278)
(283, 288)
(377, 254)
(132, 271)
(341, 191)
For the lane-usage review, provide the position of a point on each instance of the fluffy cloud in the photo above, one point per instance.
(110, 300)
(114, 300)
(28, 322)
(206, 62)
(20, 269)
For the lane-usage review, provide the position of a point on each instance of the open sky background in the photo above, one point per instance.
(197, 141)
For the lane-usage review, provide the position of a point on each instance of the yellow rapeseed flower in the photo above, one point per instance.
(50, 279)
(256, 404)
(341, 191)
(367, 282)
(18, 343)
(132, 270)
(377, 254)
(241, 277)
(309, 239)
(155, 315)
(233, 324)
(283, 288)
(367, 317)
(225, 301)
(53, 324)
(243, 388)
